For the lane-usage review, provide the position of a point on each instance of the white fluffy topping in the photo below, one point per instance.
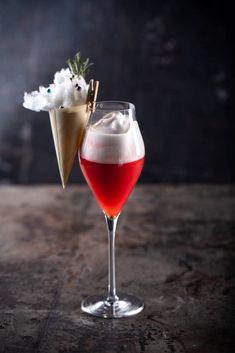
(62, 92)
(115, 138)
(112, 123)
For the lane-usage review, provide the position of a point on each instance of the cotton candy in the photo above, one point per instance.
(64, 91)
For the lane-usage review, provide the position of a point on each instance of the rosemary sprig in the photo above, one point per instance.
(79, 67)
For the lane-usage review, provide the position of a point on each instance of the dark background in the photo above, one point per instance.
(172, 59)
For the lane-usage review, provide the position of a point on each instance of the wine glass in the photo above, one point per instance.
(111, 159)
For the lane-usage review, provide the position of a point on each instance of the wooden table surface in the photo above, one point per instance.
(174, 249)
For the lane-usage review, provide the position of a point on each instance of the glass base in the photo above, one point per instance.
(125, 306)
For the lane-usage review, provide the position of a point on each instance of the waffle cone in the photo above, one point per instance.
(67, 127)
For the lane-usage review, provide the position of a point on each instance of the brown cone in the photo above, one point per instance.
(67, 126)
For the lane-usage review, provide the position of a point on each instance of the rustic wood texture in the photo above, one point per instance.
(174, 249)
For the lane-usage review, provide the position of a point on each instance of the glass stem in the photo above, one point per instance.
(111, 226)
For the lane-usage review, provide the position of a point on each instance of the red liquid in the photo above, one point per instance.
(111, 183)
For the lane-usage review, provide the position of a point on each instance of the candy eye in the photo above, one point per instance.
(78, 87)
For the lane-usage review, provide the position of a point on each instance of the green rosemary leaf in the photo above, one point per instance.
(79, 67)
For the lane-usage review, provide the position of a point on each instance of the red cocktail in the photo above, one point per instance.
(111, 159)
(111, 183)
